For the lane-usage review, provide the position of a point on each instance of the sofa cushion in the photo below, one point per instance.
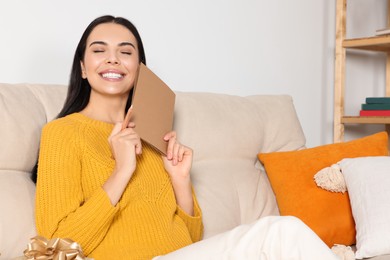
(24, 110)
(291, 176)
(17, 212)
(282, 129)
(226, 132)
(368, 182)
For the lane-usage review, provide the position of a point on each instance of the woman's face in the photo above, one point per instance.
(111, 60)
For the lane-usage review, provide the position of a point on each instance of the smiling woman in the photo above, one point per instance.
(136, 206)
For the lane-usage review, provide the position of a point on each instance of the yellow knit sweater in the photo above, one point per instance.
(74, 162)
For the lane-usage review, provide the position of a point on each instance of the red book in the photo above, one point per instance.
(374, 112)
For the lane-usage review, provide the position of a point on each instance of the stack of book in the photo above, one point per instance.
(376, 106)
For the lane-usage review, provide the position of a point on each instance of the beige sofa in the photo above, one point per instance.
(226, 132)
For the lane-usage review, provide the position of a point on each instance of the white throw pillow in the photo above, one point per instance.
(368, 183)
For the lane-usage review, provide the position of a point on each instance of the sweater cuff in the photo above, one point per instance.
(193, 223)
(89, 226)
(101, 198)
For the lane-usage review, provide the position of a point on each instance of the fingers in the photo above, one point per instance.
(170, 135)
(138, 147)
(129, 136)
(171, 138)
(131, 125)
(120, 139)
(114, 132)
(180, 154)
(175, 151)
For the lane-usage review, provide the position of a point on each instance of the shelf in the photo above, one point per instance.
(376, 43)
(365, 119)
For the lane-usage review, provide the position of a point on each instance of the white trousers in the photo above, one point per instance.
(269, 238)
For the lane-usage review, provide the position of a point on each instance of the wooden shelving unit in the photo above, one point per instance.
(376, 43)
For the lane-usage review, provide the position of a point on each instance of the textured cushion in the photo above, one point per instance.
(291, 176)
(24, 110)
(282, 129)
(17, 212)
(226, 132)
(368, 182)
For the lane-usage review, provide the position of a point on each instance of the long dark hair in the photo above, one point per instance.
(79, 89)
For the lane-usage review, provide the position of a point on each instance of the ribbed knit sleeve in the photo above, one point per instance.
(193, 223)
(61, 208)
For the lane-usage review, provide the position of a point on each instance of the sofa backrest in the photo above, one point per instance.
(24, 109)
(225, 131)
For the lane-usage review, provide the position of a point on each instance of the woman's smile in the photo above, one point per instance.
(112, 75)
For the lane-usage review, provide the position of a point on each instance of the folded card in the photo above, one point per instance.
(153, 105)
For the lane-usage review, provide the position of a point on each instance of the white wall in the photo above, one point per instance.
(238, 47)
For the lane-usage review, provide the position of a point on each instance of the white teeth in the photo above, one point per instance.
(112, 75)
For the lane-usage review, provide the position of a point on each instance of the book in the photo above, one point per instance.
(374, 113)
(378, 100)
(127, 119)
(382, 106)
(384, 31)
(153, 105)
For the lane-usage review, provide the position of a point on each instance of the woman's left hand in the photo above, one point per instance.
(178, 161)
(178, 164)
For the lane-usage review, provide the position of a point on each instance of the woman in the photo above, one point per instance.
(102, 186)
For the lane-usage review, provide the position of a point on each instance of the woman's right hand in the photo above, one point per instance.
(125, 145)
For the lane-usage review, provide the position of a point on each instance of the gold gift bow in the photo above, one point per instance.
(40, 248)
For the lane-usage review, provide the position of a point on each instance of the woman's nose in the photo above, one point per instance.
(112, 59)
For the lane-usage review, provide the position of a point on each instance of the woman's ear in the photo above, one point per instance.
(83, 73)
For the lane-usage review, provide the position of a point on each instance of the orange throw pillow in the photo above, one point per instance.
(291, 175)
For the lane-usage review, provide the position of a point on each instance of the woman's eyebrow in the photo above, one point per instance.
(97, 42)
(120, 44)
(126, 44)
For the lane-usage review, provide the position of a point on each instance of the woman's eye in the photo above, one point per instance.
(97, 51)
(126, 52)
